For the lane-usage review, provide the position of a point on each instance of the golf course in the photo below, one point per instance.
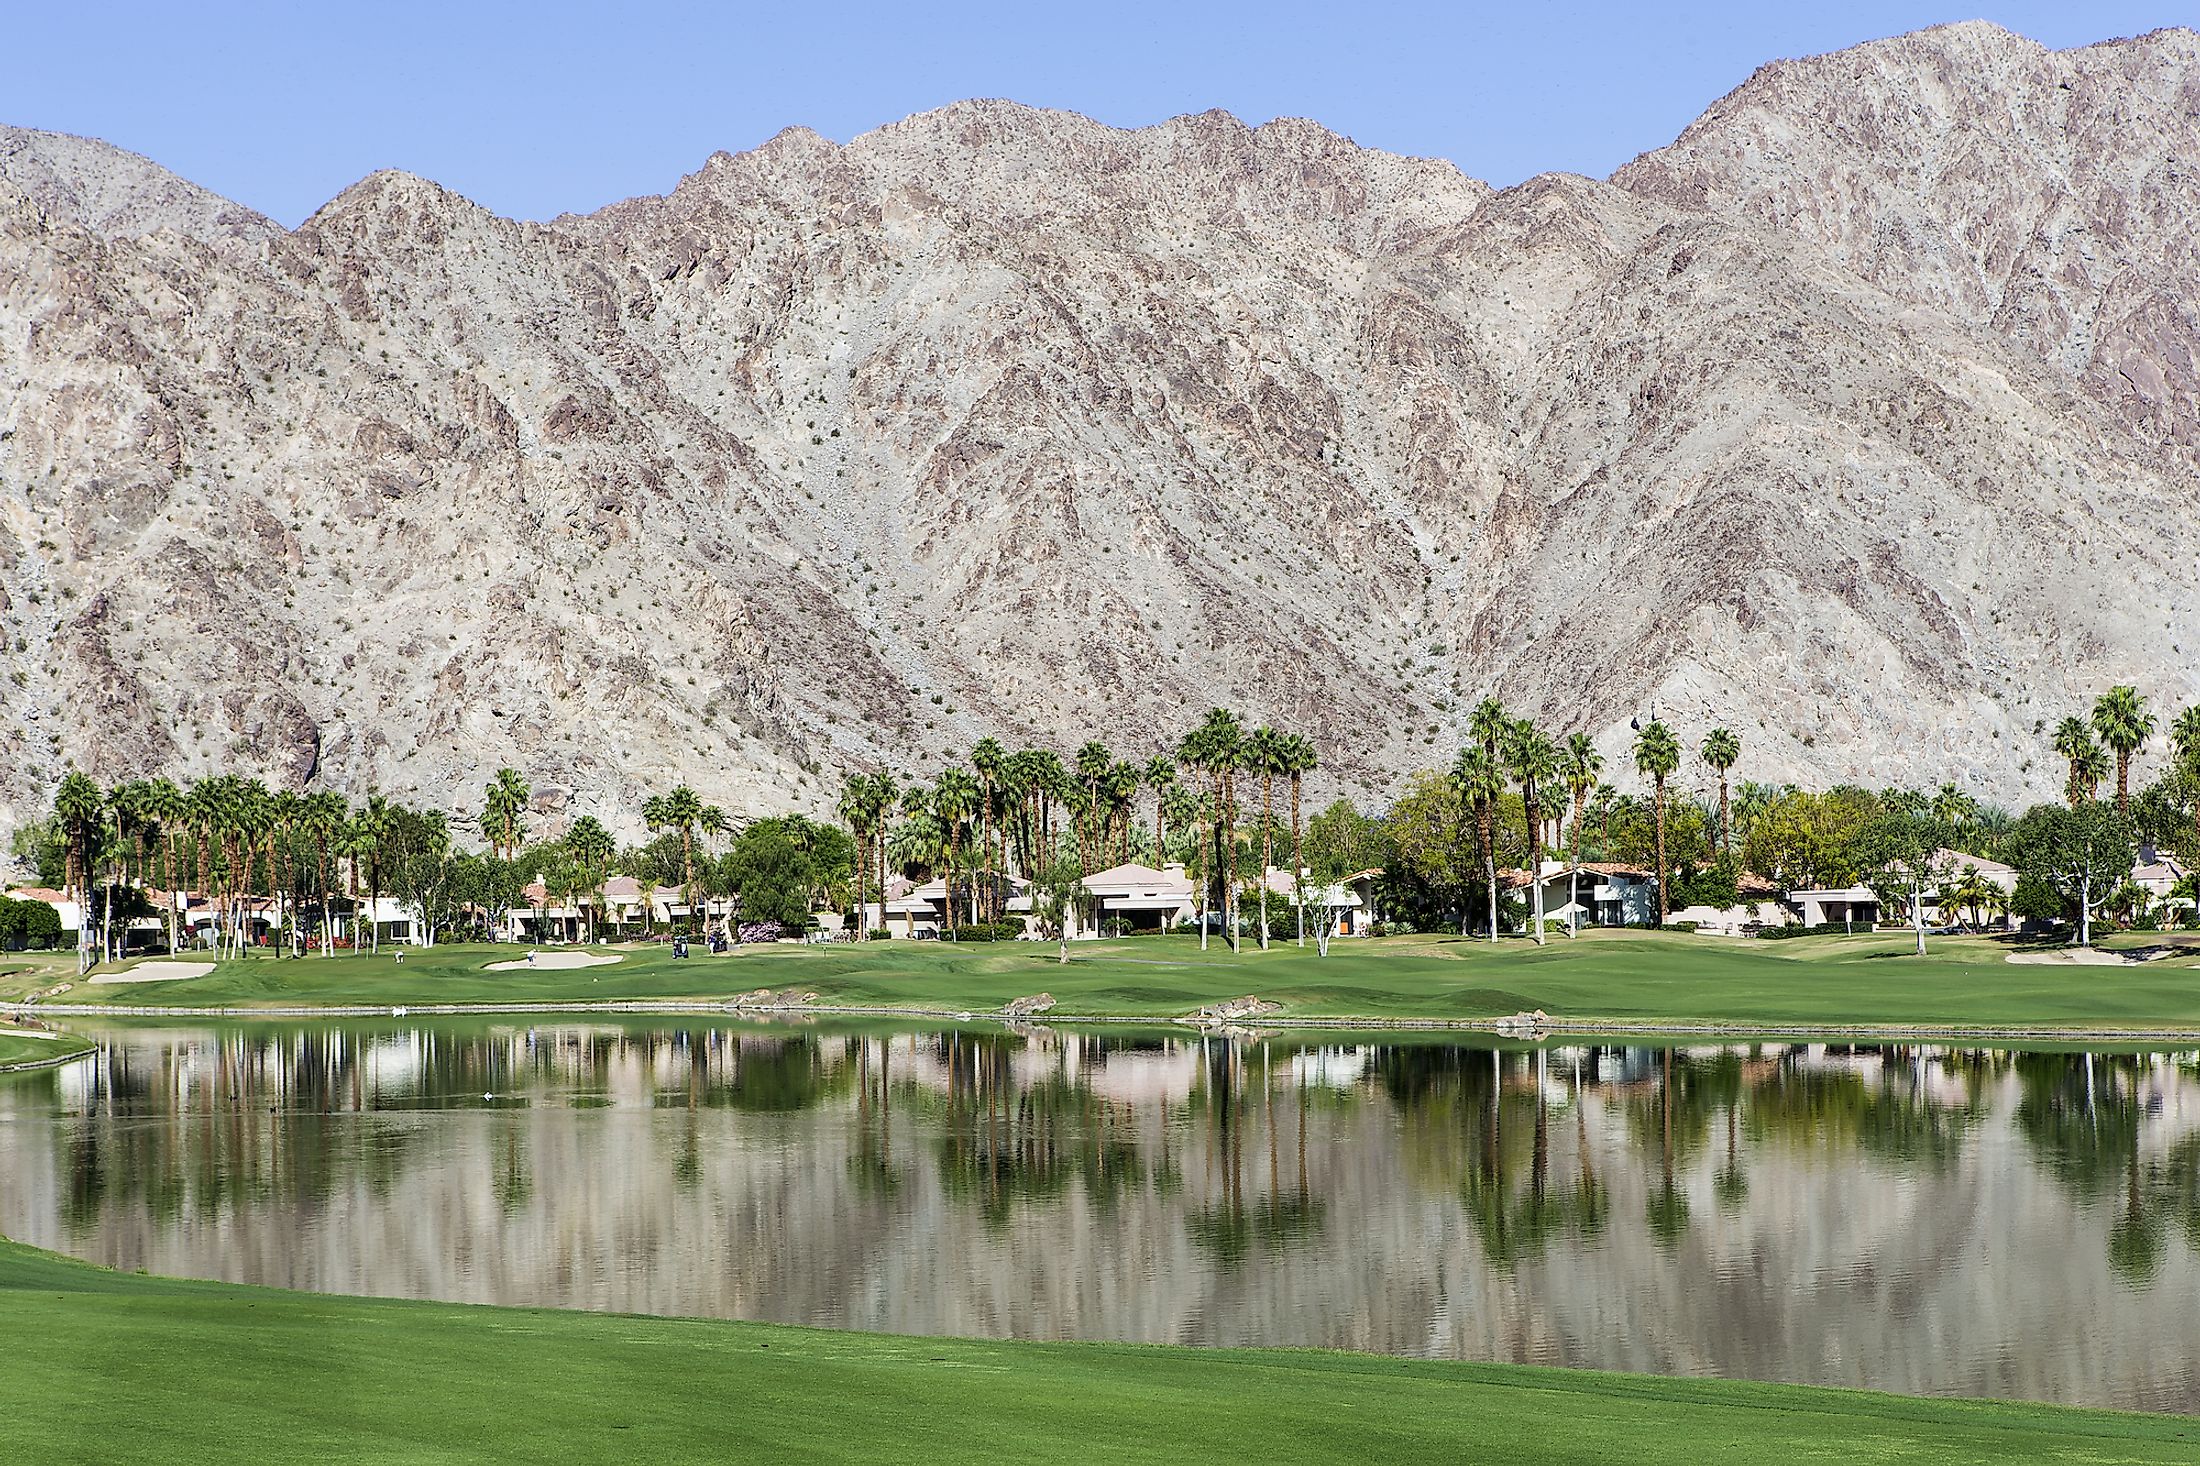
(1626, 980)
(193, 1370)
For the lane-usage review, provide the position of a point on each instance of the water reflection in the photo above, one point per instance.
(1914, 1217)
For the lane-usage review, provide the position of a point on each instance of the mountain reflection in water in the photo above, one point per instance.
(1914, 1218)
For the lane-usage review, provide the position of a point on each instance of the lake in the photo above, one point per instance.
(1916, 1218)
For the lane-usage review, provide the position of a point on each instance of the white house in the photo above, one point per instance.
(1609, 894)
(1836, 906)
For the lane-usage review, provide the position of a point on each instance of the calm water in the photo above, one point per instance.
(1921, 1219)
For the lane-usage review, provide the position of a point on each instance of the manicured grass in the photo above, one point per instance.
(1625, 977)
(127, 1369)
(17, 1049)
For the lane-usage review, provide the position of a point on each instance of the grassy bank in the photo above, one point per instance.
(1627, 978)
(130, 1368)
(34, 1050)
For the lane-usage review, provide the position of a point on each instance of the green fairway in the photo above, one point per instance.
(29, 1050)
(1628, 978)
(128, 1368)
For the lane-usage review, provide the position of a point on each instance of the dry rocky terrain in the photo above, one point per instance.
(1864, 419)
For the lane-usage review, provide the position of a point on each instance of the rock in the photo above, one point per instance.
(1025, 1007)
(1234, 1009)
(359, 511)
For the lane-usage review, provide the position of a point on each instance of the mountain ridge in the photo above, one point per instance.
(998, 420)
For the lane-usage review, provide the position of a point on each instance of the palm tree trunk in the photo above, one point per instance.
(1267, 849)
(1726, 828)
(1486, 819)
(1573, 873)
(1298, 863)
(1661, 850)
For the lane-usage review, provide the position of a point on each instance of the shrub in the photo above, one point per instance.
(881, 934)
(1680, 926)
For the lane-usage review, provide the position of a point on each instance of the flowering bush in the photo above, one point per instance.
(761, 931)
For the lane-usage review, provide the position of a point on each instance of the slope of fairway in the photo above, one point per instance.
(1628, 978)
(135, 1369)
(23, 1050)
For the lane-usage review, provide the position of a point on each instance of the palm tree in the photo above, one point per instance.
(2185, 735)
(1298, 762)
(1092, 763)
(81, 810)
(1579, 764)
(503, 813)
(592, 847)
(1657, 755)
(1954, 809)
(2121, 718)
(2073, 741)
(371, 830)
(854, 810)
(1264, 753)
(1214, 748)
(2092, 770)
(1720, 750)
(1480, 779)
(954, 801)
(1532, 760)
(919, 841)
(987, 757)
(1160, 777)
(322, 821)
(164, 808)
(681, 811)
(884, 792)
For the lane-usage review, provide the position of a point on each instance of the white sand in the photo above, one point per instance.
(553, 961)
(2080, 956)
(158, 972)
(12, 1031)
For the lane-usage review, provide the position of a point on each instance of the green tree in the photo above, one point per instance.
(1532, 762)
(1479, 780)
(1720, 751)
(1265, 753)
(80, 810)
(1900, 851)
(2080, 854)
(1657, 755)
(2121, 719)
(504, 810)
(1581, 766)
(2074, 744)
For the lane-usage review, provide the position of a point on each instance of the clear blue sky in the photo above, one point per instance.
(553, 106)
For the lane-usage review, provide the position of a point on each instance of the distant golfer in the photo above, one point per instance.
(400, 956)
(530, 956)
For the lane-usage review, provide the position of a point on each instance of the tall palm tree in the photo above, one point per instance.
(1720, 750)
(1160, 777)
(2073, 739)
(81, 809)
(373, 827)
(504, 811)
(1532, 761)
(1217, 744)
(321, 820)
(1657, 756)
(2091, 770)
(592, 847)
(987, 758)
(1298, 762)
(884, 793)
(855, 812)
(1480, 779)
(1195, 752)
(680, 812)
(1263, 753)
(164, 807)
(919, 841)
(954, 801)
(2184, 733)
(1121, 789)
(2121, 719)
(1580, 765)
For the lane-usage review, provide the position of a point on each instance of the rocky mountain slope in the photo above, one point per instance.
(1859, 419)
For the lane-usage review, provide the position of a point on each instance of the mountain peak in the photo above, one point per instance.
(111, 191)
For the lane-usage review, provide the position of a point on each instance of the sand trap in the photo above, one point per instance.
(553, 961)
(2074, 956)
(158, 972)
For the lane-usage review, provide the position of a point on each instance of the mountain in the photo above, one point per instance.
(1001, 421)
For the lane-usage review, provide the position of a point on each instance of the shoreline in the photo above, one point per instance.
(1510, 1026)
